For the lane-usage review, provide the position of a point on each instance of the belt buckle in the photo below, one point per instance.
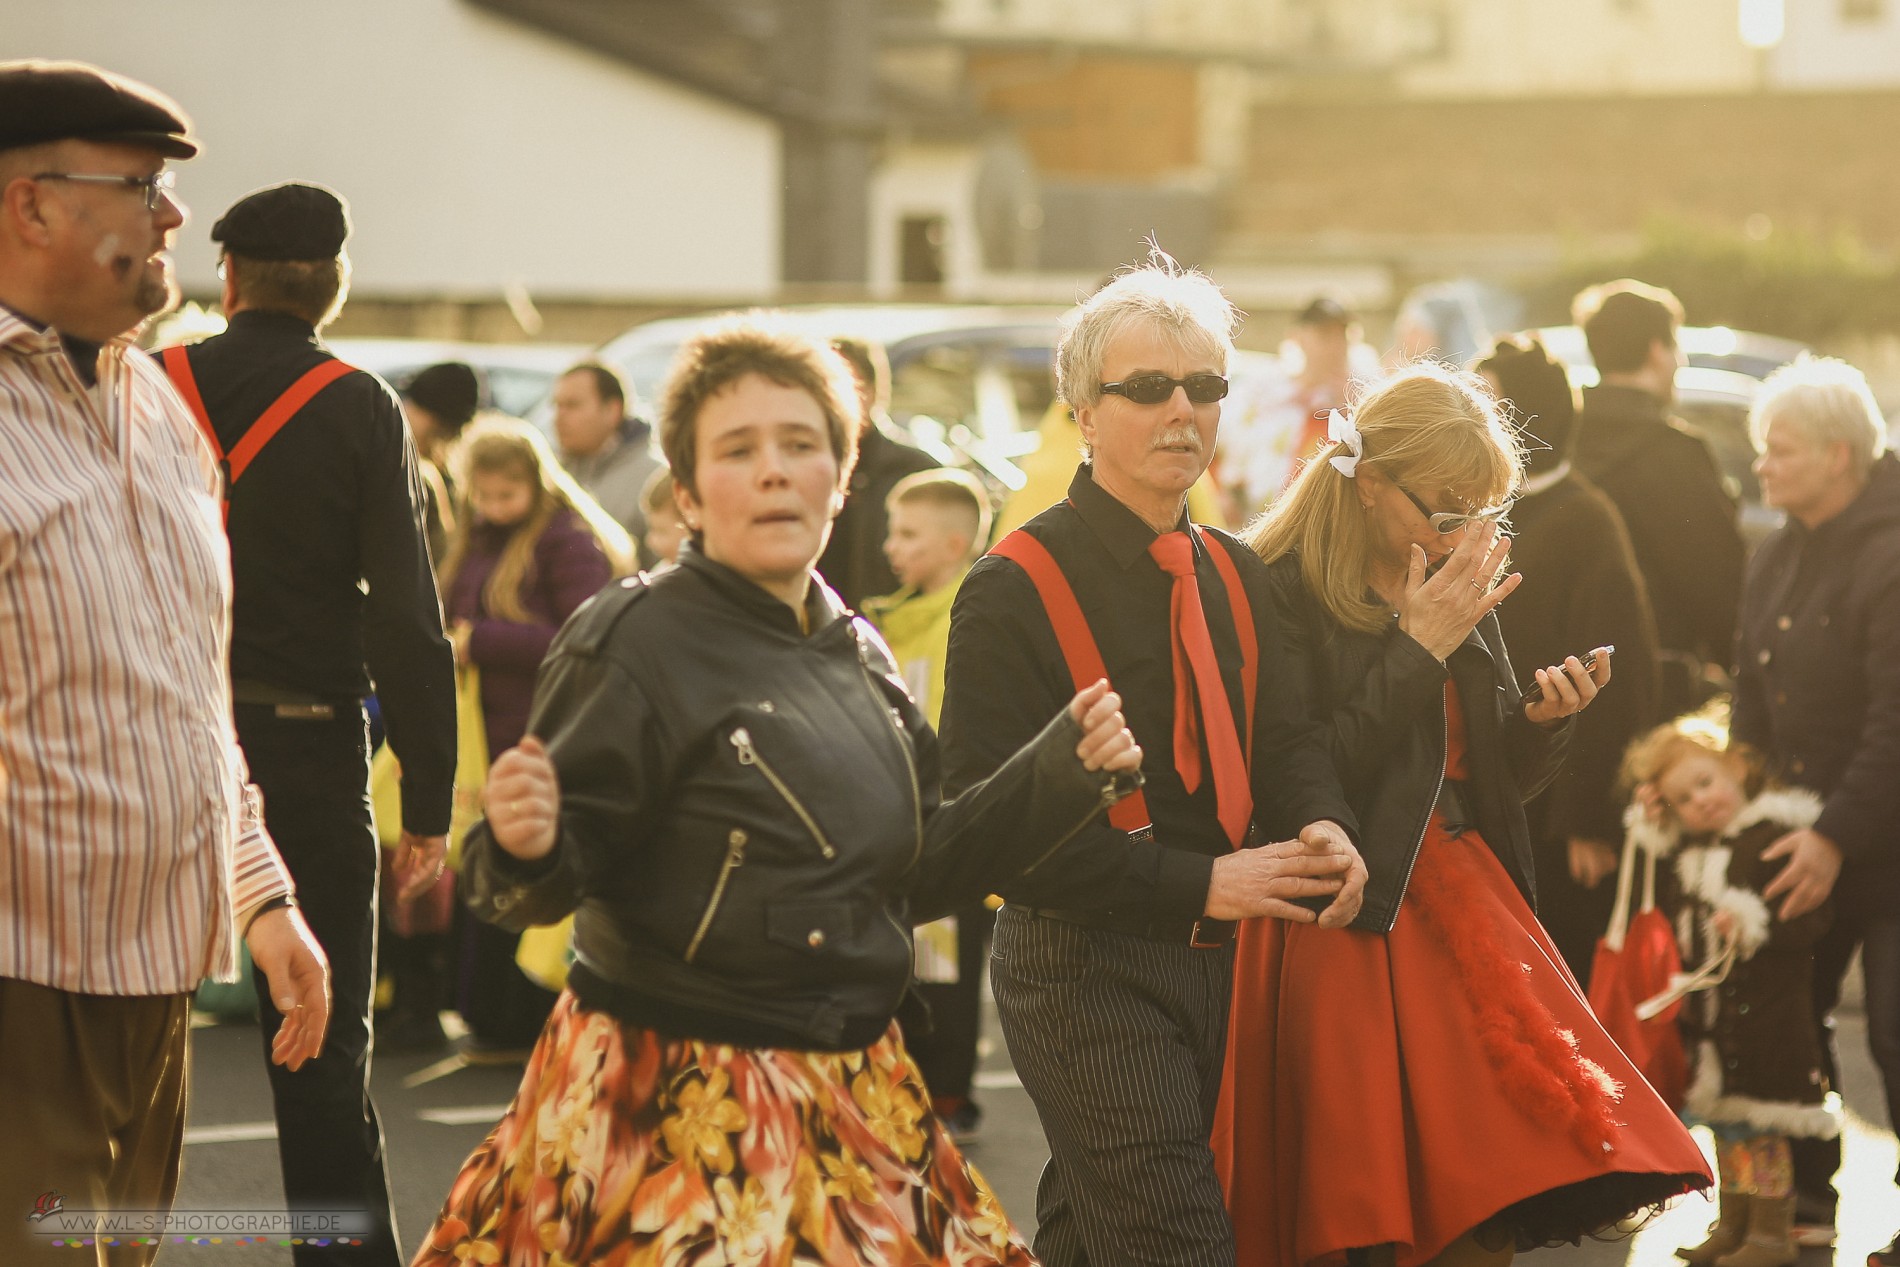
(1197, 940)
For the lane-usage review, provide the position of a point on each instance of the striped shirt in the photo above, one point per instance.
(130, 837)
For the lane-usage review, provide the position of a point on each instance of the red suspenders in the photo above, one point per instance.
(1085, 658)
(178, 367)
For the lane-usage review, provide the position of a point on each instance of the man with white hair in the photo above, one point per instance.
(1817, 691)
(1114, 997)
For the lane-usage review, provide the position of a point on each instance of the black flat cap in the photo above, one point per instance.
(1324, 311)
(56, 101)
(285, 222)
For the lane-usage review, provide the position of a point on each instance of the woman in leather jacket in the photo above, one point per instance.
(726, 783)
(1427, 1085)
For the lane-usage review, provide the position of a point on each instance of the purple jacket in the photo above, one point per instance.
(569, 567)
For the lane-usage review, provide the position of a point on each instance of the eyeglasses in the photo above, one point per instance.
(1445, 522)
(1152, 389)
(157, 186)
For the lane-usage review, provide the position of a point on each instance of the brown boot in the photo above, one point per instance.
(1726, 1236)
(1770, 1241)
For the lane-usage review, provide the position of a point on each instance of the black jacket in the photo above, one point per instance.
(1817, 686)
(1385, 696)
(331, 580)
(1681, 520)
(853, 562)
(1006, 672)
(750, 820)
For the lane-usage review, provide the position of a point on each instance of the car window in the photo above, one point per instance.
(1726, 426)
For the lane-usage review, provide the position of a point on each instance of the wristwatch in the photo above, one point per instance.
(277, 903)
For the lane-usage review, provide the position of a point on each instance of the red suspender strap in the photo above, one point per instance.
(177, 365)
(282, 410)
(1072, 635)
(1243, 630)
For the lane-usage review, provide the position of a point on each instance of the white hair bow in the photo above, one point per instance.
(1340, 431)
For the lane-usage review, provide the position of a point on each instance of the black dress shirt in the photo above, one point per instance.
(1006, 676)
(332, 584)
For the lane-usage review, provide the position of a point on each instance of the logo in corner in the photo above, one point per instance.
(48, 1204)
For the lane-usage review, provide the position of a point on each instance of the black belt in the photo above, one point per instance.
(285, 703)
(1202, 934)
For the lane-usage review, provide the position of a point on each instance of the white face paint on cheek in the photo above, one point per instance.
(107, 246)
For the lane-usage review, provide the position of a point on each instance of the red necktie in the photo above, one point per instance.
(1196, 672)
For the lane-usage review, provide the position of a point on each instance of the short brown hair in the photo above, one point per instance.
(1622, 319)
(609, 383)
(311, 289)
(715, 359)
(952, 490)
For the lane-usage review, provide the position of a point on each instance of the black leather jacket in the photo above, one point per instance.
(750, 817)
(1385, 695)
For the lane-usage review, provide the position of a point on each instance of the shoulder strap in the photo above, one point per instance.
(177, 365)
(1243, 629)
(1078, 645)
(281, 411)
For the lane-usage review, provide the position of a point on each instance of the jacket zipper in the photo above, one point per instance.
(1108, 802)
(749, 755)
(735, 854)
(1419, 845)
(910, 762)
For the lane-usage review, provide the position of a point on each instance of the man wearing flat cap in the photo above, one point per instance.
(132, 852)
(333, 596)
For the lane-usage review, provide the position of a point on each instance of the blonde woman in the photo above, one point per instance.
(529, 547)
(1428, 1084)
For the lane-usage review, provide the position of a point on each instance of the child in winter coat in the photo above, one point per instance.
(1757, 1077)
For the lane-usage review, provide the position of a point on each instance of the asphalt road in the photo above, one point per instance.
(430, 1127)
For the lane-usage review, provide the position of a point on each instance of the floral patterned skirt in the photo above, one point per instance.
(625, 1147)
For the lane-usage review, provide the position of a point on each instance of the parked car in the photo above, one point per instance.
(520, 375)
(1704, 347)
(968, 383)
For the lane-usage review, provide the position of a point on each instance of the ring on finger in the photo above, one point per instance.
(1477, 584)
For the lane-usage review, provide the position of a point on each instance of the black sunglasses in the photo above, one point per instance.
(1152, 389)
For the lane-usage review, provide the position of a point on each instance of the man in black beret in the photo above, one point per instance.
(333, 596)
(131, 848)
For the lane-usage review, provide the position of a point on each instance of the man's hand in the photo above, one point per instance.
(1814, 864)
(1591, 861)
(523, 801)
(298, 973)
(419, 863)
(1263, 881)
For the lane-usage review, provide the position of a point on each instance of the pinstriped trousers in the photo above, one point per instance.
(1119, 1040)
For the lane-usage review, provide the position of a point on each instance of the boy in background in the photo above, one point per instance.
(665, 529)
(939, 521)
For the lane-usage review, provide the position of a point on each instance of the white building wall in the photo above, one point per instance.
(1839, 44)
(475, 152)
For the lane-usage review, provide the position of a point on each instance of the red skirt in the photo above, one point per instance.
(1447, 1077)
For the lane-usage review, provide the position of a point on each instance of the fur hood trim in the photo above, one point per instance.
(1795, 806)
(1651, 838)
(1703, 870)
(1708, 1103)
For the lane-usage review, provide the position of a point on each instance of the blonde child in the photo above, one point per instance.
(1757, 1079)
(938, 522)
(529, 547)
(666, 530)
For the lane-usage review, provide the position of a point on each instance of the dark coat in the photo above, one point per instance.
(1682, 521)
(853, 562)
(750, 817)
(1385, 697)
(1581, 589)
(569, 568)
(1759, 1058)
(1817, 687)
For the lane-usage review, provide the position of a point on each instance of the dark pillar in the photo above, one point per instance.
(827, 71)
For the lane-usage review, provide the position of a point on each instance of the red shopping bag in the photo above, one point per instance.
(1637, 959)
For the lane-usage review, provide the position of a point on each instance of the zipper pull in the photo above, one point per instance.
(742, 741)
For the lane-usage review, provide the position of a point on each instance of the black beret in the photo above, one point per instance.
(56, 101)
(451, 390)
(1324, 311)
(285, 222)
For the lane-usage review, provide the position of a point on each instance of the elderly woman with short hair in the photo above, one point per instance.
(726, 783)
(1817, 689)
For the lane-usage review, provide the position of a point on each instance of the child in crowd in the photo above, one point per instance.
(939, 521)
(529, 548)
(665, 528)
(1757, 1079)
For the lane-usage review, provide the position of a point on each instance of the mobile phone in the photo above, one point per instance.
(1537, 692)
